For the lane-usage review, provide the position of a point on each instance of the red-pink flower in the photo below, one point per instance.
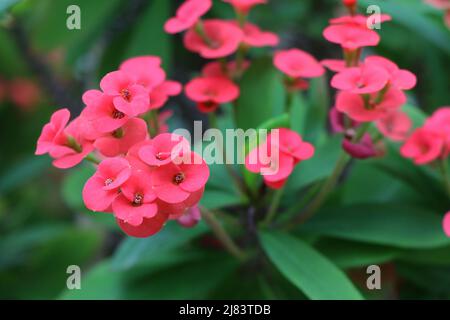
(296, 63)
(446, 224)
(136, 201)
(160, 94)
(176, 210)
(128, 97)
(144, 71)
(147, 228)
(276, 157)
(102, 113)
(360, 150)
(395, 125)
(400, 79)
(439, 123)
(120, 141)
(361, 80)
(423, 146)
(351, 36)
(66, 145)
(187, 15)
(174, 183)
(334, 65)
(244, 6)
(210, 92)
(357, 109)
(164, 149)
(190, 218)
(52, 131)
(102, 188)
(255, 37)
(222, 39)
(359, 19)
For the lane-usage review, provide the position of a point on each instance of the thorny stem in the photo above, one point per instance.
(330, 183)
(278, 194)
(222, 235)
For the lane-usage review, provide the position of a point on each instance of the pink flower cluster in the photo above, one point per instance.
(276, 157)
(431, 141)
(142, 180)
(371, 90)
(217, 39)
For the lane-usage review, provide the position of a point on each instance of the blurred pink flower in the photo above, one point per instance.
(223, 39)
(187, 15)
(211, 92)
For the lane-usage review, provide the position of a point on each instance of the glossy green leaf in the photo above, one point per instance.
(149, 37)
(135, 251)
(349, 254)
(395, 225)
(319, 167)
(308, 269)
(261, 94)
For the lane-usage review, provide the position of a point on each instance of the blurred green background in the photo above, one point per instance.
(44, 226)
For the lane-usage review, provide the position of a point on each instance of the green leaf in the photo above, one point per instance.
(308, 269)
(15, 248)
(134, 251)
(299, 113)
(261, 95)
(6, 4)
(48, 24)
(319, 167)
(349, 254)
(432, 278)
(23, 172)
(415, 114)
(438, 256)
(48, 263)
(73, 186)
(385, 224)
(192, 280)
(317, 115)
(101, 282)
(411, 16)
(148, 37)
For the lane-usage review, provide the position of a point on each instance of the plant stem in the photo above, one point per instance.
(289, 101)
(443, 165)
(222, 235)
(153, 123)
(273, 207)
(93, 159)
(328, 186)
(302, 203)
(200, 30)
